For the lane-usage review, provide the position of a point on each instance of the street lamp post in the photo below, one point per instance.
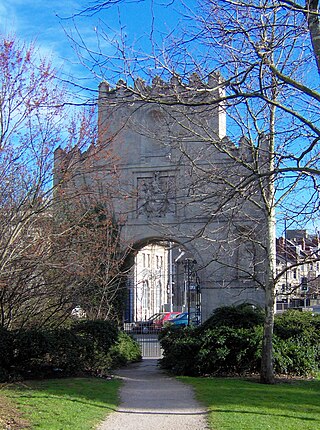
(190, 275)
(170, 278)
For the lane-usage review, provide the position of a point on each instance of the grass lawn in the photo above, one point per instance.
(58, 404)
(246, 405)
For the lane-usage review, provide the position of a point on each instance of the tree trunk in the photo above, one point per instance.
(267, 371)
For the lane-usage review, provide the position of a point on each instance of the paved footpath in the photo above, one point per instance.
(151, 400)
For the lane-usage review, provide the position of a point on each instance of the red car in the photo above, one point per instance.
(154, 323)
(159, 321)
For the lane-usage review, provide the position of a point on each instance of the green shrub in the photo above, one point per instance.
(6, 355)
(39, 353)
(295, 324)
(84, 347)
(230, 343)
(30, 347)
(228, 350)
(180, 346)
(4, 374)
(242, 316)
(297, 343)
(125, 350)
(67, 352)
(101, 334)
(295, 356)
(97, 337)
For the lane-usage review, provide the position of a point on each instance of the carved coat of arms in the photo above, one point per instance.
(156, 195)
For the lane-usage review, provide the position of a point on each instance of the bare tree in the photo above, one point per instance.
(91, 251)
(34, 120)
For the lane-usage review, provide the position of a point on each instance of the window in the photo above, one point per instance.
(145, 295)
(158, 295)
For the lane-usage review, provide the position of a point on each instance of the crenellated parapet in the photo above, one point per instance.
(70, 163)
(175, 90)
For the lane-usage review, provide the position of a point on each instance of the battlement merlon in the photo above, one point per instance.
(193, 93)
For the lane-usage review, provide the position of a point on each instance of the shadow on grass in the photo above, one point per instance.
(228, 398)
(234, 411)
(99, 393)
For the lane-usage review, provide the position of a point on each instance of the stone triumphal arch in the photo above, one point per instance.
(170, 159)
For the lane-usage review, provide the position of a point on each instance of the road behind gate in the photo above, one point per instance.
(151, 400)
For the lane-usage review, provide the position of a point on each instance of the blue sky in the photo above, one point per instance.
(45, 23)
(36, 20)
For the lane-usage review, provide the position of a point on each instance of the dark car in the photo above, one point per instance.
(144, 326)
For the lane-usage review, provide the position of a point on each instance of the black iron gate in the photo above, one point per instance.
(149, 344)
(147, 340)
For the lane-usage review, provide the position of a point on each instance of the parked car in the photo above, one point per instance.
(154, 323)
(182, 320)
(163, 318)
(144, 326)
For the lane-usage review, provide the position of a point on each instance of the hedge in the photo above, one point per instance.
(229, 343)
(87, 347)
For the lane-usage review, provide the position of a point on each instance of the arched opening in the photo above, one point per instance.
(162, 278)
